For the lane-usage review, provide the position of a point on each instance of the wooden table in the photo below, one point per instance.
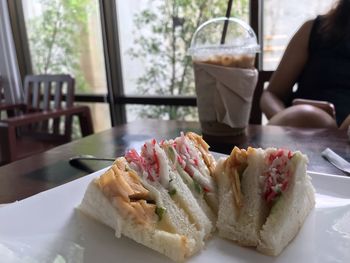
(41, 172)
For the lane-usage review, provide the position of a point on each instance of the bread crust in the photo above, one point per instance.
(241, 224)
(179, 235)
(287, 216)
(270, 231)
(97, 206)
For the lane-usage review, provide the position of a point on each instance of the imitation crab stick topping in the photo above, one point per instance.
(203, 147)
(278, 174)
(152, 162)
(192, 162)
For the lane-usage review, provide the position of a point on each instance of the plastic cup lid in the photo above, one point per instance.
(240, 38)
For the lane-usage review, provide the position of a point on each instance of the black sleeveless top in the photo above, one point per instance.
(326, 75)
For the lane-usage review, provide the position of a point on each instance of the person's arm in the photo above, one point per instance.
(345, 124)
(282, 81)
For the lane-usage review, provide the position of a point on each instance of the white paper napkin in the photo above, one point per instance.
(224, 94)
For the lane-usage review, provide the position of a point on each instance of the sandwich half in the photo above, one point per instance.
(154, 163)
(242, 211)
(190, 156)
(264, 197)
(138, 208)
(290, 197)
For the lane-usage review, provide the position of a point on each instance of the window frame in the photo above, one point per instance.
(115, 96)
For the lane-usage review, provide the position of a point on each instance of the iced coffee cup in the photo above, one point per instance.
(225, 76)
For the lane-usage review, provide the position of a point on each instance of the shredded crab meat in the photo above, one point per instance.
(203, 147)
(152, 162)
(276, 178)
(192, 162)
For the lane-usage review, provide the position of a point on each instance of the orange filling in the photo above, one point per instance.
(234, 166)
(203, 147)
(123, 187)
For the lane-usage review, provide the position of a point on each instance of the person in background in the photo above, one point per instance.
(318, 59)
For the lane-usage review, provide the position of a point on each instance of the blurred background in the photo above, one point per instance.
(148, 65)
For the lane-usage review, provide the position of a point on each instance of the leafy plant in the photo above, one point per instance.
(168, 70)
(56, 38)
(56, 41)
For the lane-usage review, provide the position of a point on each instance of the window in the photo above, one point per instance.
(154, 38)
(282, 18)
(144, 45)
(64, 37)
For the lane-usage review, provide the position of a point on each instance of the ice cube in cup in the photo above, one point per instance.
(238, 50)
(228, 60)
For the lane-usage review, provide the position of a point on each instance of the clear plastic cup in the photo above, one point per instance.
(238, 50)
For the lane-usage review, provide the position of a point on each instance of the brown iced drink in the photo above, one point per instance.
(235, 61)
(225, 77)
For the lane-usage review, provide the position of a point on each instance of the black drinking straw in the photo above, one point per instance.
(228, 14)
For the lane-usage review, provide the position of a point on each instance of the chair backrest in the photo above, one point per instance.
(2, 92)
(2, 98)
(47, 92)
(50, 92)
(256, 113)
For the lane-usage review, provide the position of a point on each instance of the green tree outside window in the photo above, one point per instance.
(56, 38)
(168, 70)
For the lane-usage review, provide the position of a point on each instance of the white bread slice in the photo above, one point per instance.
(290, 211)
(241, 226)
(200, 144)
(175, 218)
(199, 196)
(96, 205)
(180, 194)
(193, 196)
(185, 199)
(187, 185)
(170, 192)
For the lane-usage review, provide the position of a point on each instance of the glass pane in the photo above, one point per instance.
(282, 18)
(162, 112)
(100, 115)
(154, 38)
(65, 37)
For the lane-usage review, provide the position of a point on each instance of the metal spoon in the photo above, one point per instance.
(87, 157)
(336, 160)
(76, 161)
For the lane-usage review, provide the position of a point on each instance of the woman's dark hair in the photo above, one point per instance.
(336, 23)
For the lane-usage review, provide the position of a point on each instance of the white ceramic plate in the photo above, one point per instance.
(47, 228)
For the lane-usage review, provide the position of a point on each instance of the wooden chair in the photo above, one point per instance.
(5, 108)
(43, 120)
(2, 98)
(256, 113)
(2, 92)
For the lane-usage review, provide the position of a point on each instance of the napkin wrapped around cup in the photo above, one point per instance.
(224, 94)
